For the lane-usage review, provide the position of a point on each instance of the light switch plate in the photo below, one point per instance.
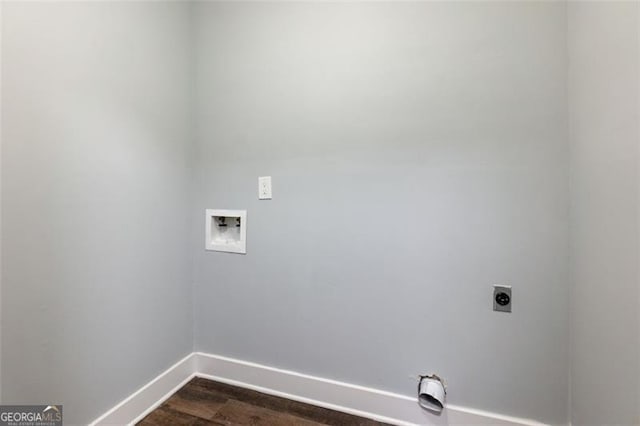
(264, 188)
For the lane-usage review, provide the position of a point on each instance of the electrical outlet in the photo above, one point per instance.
(502, 300)
(264, 188)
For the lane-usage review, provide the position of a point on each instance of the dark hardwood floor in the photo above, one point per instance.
(204, 402)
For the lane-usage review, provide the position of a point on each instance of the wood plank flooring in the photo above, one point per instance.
(204, 402)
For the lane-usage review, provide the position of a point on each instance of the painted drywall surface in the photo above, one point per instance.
(419, 156)
(95, 187)
(604, 109)
(0, 203)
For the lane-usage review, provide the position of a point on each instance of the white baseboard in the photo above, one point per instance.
(361, 401)
(353, 399)
(143, 401)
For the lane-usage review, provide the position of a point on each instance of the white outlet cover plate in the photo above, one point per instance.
(264, 188)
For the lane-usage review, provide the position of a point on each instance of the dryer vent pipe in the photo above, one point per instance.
(432, 393)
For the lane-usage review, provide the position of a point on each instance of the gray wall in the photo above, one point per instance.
(419, 156)
(604, 95)
(95, 185)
